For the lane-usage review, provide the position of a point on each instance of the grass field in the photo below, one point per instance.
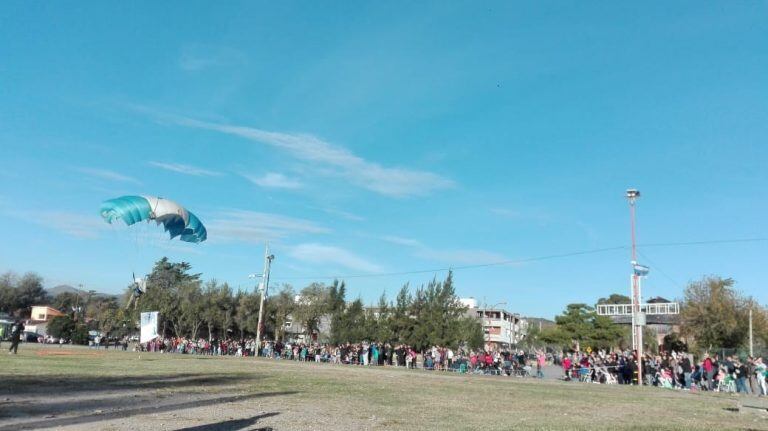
(81, 389)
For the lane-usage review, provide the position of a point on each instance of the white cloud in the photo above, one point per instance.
(446, 256)
(506, 212)
(108, 175)
(460, 257)
(274, 180)
(184, 169)
(333, 160)
(408, 242)
(343, 214)
(257, 227)
(73, 224)
(530, 214)
(326, 254)
(197, 57)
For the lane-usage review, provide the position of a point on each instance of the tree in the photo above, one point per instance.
(163, 293)
(312, 304)
(432, 316)
(401, 323)
(247, 312)
(336, 307)
(673, 343)
(30, 291)
(579, 325)
(67, 301)
(217, 308)
(279, 308)
(104, 315)
(471, 332)
(61, 327)
(615, 298)
(354, 328)
(379, 322)
(715, 315)
(8, 297)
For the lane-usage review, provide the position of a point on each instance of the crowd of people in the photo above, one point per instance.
(669, 370)
(362, 354)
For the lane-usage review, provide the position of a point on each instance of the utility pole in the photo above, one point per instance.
(264, 291)
(637, 325)
(751, 352)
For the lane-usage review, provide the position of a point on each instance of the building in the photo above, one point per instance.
(294, 331)
(502, 329)
(44, 313)
(39, 318)
(661, 324)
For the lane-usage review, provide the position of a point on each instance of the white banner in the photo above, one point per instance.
(148, 326)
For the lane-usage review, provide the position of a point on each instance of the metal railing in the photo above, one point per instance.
(626, 309)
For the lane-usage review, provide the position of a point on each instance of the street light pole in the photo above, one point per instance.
(264, 291)
(751, 352)
(637, 328)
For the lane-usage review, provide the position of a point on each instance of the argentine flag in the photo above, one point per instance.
(640, 270)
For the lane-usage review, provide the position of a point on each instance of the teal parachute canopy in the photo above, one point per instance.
(176, 220)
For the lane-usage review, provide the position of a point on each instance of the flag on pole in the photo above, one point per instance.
(640, 270)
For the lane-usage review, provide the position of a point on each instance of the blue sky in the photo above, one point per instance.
(381, 137)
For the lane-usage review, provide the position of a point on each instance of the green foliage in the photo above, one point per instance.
(61, 326)
(65, 327)
(715, 315)
(18, 295)
(672, 342)
(67, 301)
(471, 333)
(431, 315)
(312, 304)
(615, 298)
(79, 335)
(247, 313)
(278, 309)
(580, 325)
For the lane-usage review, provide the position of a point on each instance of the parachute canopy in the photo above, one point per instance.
(176, 220)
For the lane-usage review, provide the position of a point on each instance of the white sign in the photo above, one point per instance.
(148, 326)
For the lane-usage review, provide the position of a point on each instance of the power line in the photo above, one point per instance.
(716, 241)
(658, 268)
(481, 265)
(526, 260)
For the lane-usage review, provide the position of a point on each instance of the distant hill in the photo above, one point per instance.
(65, 288)
(540, 322)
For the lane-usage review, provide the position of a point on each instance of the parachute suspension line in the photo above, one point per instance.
(176, 220)
(153, 211)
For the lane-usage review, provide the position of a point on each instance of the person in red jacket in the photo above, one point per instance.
(709, 370)
(567, 366)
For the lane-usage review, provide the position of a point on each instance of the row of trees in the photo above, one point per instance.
(18, 294)
(714, 315)
(189, 307)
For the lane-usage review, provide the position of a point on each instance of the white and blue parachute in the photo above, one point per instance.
(176, 220)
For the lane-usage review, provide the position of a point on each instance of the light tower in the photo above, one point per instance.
(638, 317)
